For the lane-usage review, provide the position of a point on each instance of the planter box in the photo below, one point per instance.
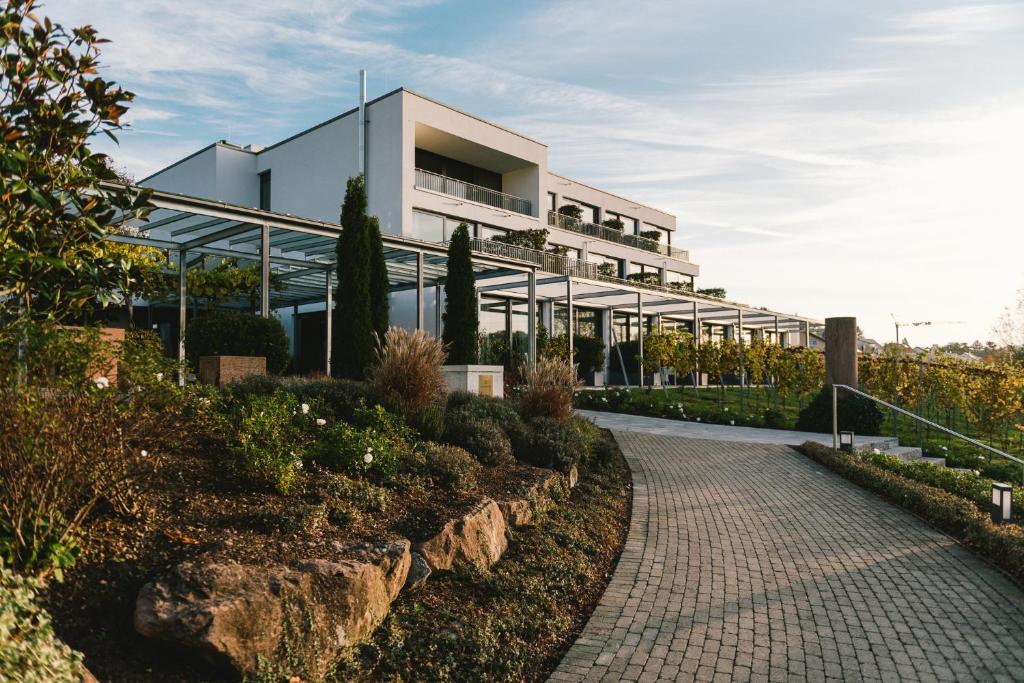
(485, 380)
(223, 370)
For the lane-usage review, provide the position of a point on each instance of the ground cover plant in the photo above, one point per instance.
(514, 622)
(958, 516)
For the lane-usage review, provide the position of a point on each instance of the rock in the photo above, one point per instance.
(419, 571)
(478, 537)
(573, 476)
(234, 616)
(536, 499)
(393, 559)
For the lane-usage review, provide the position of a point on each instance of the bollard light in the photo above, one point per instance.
(846, 442)
(1002, 502)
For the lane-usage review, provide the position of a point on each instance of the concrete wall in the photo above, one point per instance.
(221, 171)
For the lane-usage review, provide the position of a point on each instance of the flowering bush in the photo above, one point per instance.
(267, 443)
(29, 650)
(346, 448)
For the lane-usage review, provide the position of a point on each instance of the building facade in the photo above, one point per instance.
(430, 167)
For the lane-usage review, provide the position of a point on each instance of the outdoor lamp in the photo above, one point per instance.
(1002, 501)
(846, 442)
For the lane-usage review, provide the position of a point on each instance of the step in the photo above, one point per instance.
(882, 443)
(905, 453)
(938, 462)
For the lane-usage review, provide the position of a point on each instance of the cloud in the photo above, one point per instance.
(951, 25)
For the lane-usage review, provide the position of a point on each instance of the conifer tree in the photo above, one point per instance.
(461, 318)
(352, 336)
(378, 279)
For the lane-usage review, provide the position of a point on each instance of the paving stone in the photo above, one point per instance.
(750, 561)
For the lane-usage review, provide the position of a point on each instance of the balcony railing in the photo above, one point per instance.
(473, 193)
(603, 232)
(562, 265)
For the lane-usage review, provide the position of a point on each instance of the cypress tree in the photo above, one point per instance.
(378, 279)
(461, 319)
(352, 336)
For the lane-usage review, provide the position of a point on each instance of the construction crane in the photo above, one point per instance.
(921, 323)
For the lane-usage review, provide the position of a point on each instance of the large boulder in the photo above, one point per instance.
(478, 537)
(243, 617)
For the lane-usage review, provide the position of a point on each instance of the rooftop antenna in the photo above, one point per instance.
(362, 123)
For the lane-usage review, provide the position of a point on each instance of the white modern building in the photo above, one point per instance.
(428, 168)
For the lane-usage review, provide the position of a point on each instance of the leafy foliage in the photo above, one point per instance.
(266, 446)
(378, 279)
(482, 437)
(354, 318)
(375, 444)
(557, 444)
(717, 292)
(53, 263)
(531, 239)
(29, 650)
(572, 211)
(588, 352)
(233, 333)
(226, 281)
(613, 223)
(855, 413)
(450, 466)
(461, 318)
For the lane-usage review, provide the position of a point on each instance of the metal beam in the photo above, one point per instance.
(329, 312)
(265, 271)
(531, 313)
(640, 335)
(219, 235)
(419, 291)
(569, 320)
(182, 309)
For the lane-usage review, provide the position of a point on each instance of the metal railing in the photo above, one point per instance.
(470, 192)
(603, 232)
(934, 425)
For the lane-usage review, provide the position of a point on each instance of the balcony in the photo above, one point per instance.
(425, 180)
(607, 234)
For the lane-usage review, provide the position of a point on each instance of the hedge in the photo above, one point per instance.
(1001, 545)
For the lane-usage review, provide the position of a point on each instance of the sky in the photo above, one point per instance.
(824, 158)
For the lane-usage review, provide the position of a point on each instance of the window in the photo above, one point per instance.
(568, 252)
(551, 202)
(666, 235)
(613, 266)
(487, 232)
(587, 324)
(431, 227)
(589, 212)
(265, 190)
(629, 223)
(459, 170)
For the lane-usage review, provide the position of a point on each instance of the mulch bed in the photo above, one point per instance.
(192, 510)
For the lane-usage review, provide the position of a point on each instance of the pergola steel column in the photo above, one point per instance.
(778, 339)
(696, 342)
(569, 313)
(182, 309)
(265, 270)
(531, 314)
(437, 309)
(329, 296)
(640, 335)
(807, 334)
(419, 290)
(739, 341)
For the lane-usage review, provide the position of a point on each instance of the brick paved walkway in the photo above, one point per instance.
(749, 561)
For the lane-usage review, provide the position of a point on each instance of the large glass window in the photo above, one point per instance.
(609, 266)
(658, 233)
(432, 227)
(551, 202)
(460, 170)
(589, 212)
(588, 321)
(486, 232)
(628, 223)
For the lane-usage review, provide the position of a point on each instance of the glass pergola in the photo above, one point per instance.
(299, 254)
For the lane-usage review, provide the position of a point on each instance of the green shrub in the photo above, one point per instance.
(266, 444)
(588, 435)
(555, 444)
(378, 419)
(484, 407)
(340, 397)
(357, 451)
(232, 333)
(856, 414)
(775, 419)
(256, 385)
(53, 356)
(429, 422)
(1002, 545)
(365, 495)
(482, 437)
(450, 466)
(29, 650)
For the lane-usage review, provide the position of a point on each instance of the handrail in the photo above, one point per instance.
(947, 430)
(475, 193)
(603, 232)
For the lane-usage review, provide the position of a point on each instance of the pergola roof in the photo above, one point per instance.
(302, 252)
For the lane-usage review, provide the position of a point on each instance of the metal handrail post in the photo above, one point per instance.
(835, 419)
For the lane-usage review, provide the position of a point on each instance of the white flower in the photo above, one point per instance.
(159, 377)
(298, 464)
(143, 452)
(981, 457)
(727, 410)
(698, 419)
(320, 422)
(943, 448)
(101, 382)
(977, 473)
(732, 422)
(368, 458)
(876, 451)
(305, 409)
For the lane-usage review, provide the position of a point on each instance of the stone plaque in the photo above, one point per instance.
(486, 386)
